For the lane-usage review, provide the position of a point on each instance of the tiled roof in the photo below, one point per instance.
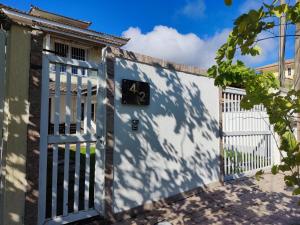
(47, 23)
(35, 11)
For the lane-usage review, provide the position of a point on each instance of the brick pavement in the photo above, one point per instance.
(245, 201)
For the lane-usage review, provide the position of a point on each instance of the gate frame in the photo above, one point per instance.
(99, 138)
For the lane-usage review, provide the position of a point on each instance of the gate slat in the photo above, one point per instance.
(88, 145)
(67, 149)
(270, 149)
(43, 142)
(77, 155)
(264, 151)
(55, 146)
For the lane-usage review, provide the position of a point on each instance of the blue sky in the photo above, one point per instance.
(184, 31)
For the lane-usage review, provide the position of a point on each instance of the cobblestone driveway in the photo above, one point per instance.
(238, 202)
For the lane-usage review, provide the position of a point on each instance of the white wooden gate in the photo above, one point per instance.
(247, 136)
(71, 179)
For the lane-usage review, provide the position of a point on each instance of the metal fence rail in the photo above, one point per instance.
(246, 136)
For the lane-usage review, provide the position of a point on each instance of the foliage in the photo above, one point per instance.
(263, 88)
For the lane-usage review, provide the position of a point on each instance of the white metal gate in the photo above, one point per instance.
(71, 180)
(247, 136)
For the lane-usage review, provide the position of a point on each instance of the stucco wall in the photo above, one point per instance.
(15, 126)
(176, 147)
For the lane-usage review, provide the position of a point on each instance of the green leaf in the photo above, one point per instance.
(275, 169)
(212, 71)
(296, 191)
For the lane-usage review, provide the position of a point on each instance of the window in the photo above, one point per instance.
(289, 71)
(78, 53)
(83, 71)
(78, 71)
(63, 68)
(61, 49)
(74, 70)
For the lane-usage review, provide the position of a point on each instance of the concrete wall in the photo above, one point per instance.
(15, 126)
(176, 147)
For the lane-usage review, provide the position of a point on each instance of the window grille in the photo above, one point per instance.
(61, 49)
(78, 53)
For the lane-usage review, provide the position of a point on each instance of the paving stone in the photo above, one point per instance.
(244, 201)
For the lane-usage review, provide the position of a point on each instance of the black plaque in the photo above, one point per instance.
(135, 92)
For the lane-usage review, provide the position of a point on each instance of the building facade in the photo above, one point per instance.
(289, 71)
(91, 131)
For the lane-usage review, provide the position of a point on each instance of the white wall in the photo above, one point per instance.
(176, 147)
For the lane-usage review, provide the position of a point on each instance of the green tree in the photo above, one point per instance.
(263, 88)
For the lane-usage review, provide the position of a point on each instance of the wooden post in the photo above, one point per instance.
(282, 48)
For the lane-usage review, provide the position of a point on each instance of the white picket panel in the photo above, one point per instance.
(246, 136)
(77, 155)
(88, 145)
(67, 150)
(68, 154)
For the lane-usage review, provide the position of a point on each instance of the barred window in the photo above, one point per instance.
(61, 49)
(78, 53)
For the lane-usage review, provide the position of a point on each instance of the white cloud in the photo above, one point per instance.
(167, 43)
(194, 9)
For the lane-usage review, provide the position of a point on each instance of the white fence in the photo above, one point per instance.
(247, 136)
(69, 189)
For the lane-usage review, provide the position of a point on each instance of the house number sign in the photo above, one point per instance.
(135, 92)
